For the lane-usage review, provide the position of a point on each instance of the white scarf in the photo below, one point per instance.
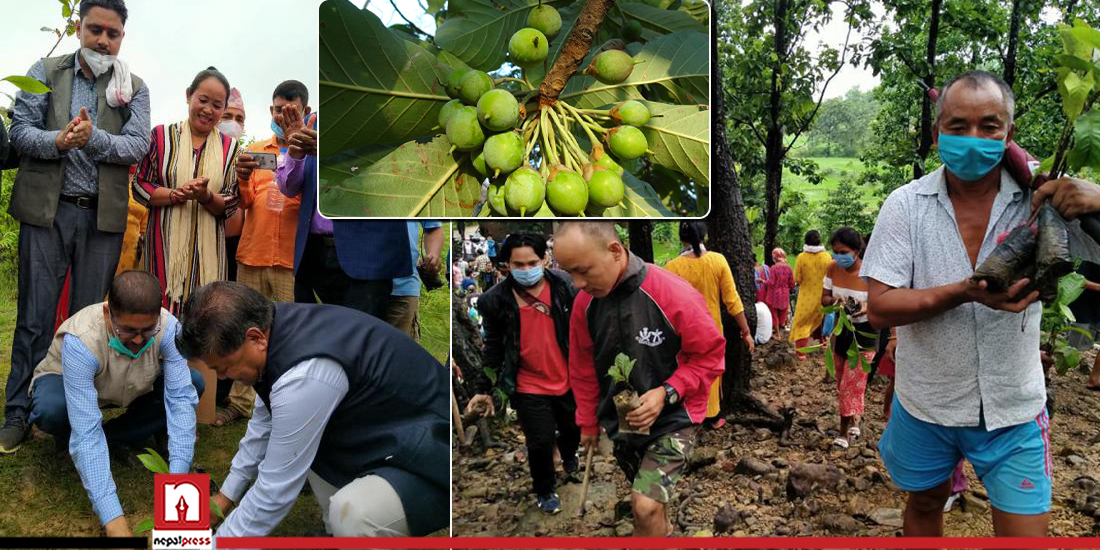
(192, 227)
(812, 249)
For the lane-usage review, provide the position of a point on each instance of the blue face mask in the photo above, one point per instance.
(970, 158)
(278, 130)
(118, 346)
(528, 277)
(844, 260)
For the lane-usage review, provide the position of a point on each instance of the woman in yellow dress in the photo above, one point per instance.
(809, 274)
(710, 274)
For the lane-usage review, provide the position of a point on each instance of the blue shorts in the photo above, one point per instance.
(1013, 463)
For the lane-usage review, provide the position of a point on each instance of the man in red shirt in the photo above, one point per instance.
(526, 320)
(626, 305)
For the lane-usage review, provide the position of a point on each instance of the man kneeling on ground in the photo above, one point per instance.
(343, 399)
(119, 353)
(663, 323)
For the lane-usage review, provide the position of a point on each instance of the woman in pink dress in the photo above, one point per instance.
(777, 290)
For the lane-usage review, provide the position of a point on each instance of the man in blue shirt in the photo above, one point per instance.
(404, 307)
(118, 353)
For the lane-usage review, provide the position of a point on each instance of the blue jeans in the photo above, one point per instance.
(144, 417)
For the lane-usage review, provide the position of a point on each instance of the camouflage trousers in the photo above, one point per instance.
(655, 469)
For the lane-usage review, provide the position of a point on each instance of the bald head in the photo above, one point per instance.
(592, 254)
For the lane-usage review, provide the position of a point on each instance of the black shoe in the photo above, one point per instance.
(13, 434)
(571, 464)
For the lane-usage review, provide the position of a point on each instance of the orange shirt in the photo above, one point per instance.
(271, 218)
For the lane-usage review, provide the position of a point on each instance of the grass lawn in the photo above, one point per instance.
(834, 169)
(41, 493)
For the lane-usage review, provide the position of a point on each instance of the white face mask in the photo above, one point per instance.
(231, 128)
(96, 61)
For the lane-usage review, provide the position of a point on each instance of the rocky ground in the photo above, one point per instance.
(743, 482)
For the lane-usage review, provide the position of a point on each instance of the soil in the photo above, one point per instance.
(741, 483)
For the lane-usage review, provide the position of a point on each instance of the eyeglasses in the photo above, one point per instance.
(130, 334)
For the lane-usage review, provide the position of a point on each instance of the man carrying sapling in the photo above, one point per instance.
(627, 306)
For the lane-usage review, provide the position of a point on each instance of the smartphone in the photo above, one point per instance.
(267, 161)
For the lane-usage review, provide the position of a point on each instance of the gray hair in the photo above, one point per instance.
(977, 79)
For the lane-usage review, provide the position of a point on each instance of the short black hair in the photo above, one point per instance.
(135, 292)
(216, 316)
(813, 238)
(848, 237)
(291, 90)
(117, 6)
(534, 241)
(693, 232)
(209, 72)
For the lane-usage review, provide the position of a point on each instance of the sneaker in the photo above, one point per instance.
(13, 434)
(951, 502)
(550, 504)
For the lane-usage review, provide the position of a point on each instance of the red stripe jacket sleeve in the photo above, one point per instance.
(582, 371)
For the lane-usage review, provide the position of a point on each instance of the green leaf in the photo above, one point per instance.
(348, 164)
(448, 59)
(1086, 142)
(478, 31)
(490, 374)
(153, 462)
(641, 201)
(697, 9)
(1075, 92)
(657, 22)
(416, 179)
(1070, 288)
(217, 510)
(375, 87)
(143, 526)
(830, 366)
(680, 139)
(1073, 62)
(1086, 35)
(27, 84)
(1046, 165)
(66, 11)
(434, 6)
(1080, 331)
(1067, 313)
(810, 349)
(680, 59)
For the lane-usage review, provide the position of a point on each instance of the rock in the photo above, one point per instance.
(705, 533)
(602, 468)
(851, 453)
(1085, 483)
(783, 531)
(841, 523)
(763, 434)
(972, 502)
(1069, 450)
(752, 466)
(861, 484)
(479, 463)
(726, 518)
(890, 517)
(869, 453)
(1075, 460)
(474, 492)
(702, 457)
(750, 521)
(805, 478)
(858, 506)
(509, 457)
(729, 466)
(780, 463)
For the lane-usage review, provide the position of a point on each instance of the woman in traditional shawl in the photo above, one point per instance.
(188, 179)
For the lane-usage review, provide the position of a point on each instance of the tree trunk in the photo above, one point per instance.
(930, 81)
(1013, 38)
(641, 239)
(729, 234)
(773, 159)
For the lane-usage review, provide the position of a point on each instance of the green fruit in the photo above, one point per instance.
(545, 211)
(631, 31)
(448, 109)
(463, 129)
(528, 48)
(498, 110)
(479, 163)
(504, 153)
(567, 193)
(473, 85)
(630, 112)
(627, 142)
(605, 189)
(452, 82)
(524, 191)
(546, 20)
(611, 67)
(496, 199)
(600, 157)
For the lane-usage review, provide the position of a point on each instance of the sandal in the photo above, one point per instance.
(841, 442)
(226, 416)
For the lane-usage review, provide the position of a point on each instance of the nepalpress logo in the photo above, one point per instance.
(651, 338)
(181, 512)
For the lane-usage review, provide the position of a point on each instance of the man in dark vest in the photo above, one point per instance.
(76, 144)
(344, 399)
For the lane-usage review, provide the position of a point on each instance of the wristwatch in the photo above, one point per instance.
(671, 397)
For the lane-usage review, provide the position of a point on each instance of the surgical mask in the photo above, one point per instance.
(96, 61)
(844, 260)
(277, 129)
(231, 128)
(118, 346)
(528, 277)
(970, 158)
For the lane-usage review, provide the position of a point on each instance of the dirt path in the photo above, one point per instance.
(741, 474)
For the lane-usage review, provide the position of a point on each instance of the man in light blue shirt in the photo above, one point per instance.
(119, 353)
(404, 307)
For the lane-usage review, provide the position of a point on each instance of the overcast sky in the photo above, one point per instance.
(256, 43)
(833, 35)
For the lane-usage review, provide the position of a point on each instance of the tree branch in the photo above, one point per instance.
(1042, 93)
(411, 24)
(752, 126)
(574, 50)
(809, 120)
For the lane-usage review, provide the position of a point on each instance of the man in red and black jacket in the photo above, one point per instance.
(659, 320)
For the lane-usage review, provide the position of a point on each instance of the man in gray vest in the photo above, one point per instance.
(76, 145)
(119, 353)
